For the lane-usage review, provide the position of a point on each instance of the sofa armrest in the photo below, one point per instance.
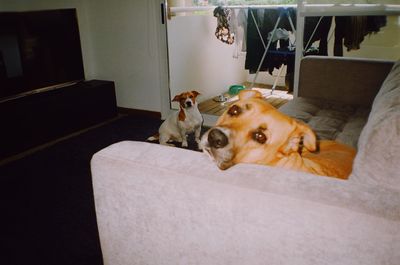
(163, 205)
(347, 80)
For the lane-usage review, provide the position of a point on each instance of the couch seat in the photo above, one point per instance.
(329, 120)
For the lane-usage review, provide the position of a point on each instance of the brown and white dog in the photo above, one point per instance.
(178, 125)
(253, 131)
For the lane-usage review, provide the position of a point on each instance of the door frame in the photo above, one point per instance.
(163, 67)
(166, 108)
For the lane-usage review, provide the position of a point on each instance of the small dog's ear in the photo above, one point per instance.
(195, 93)
(248, 93)
(177, 98)
(304, 132)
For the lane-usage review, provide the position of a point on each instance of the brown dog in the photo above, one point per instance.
(253, 131)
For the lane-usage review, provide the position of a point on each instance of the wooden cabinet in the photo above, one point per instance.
(35, 119)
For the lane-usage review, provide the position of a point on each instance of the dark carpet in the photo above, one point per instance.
(47, 197)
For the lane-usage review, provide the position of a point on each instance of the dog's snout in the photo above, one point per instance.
(217, 139)
(188, 103)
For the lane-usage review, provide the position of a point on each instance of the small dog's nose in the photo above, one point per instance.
(188, 103)
(217, 139)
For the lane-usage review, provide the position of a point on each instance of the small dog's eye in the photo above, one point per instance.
(191, 96)
(259, 136)
(234, 110)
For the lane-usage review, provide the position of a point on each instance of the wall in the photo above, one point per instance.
(119, 42)
(125, 50)
(198, 60)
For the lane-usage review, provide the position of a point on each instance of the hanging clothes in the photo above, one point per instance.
(266, 21)
(275, 58)
(242, 23)
(320, 34)
(351, 31)
(238, 25)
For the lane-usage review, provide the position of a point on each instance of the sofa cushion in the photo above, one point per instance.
(348, 80)
(378, 155)
(329, 120)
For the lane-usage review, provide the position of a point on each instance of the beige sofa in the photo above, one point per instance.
(165, 205)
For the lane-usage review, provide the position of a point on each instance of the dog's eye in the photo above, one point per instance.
(234, 110)
(191, 96)
(259, 136)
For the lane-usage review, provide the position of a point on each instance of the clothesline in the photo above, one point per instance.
(178, 9)
(311, 9)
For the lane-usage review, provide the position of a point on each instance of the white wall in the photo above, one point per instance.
(119, 43)
(198, 60)
(125, 50)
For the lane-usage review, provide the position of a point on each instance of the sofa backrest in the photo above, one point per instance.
(346, 80)
(378, 157)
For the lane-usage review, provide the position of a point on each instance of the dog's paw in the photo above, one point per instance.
(199, 145)
(184, 144)
(153, 138)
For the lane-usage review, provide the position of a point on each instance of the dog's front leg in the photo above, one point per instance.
(197, 135)
(184, 138)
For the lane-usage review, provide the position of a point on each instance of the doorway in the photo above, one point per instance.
(198, 60)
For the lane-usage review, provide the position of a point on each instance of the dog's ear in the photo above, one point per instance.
(177, 98)
(302, 132)
(195, 93)
(248, 93)
(309, 138)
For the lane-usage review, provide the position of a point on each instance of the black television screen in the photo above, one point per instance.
(39, 49)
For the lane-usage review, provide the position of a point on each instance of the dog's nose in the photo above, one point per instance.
(217, 139)
(188, 103)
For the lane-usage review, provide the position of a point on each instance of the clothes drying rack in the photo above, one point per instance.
(283, 11)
